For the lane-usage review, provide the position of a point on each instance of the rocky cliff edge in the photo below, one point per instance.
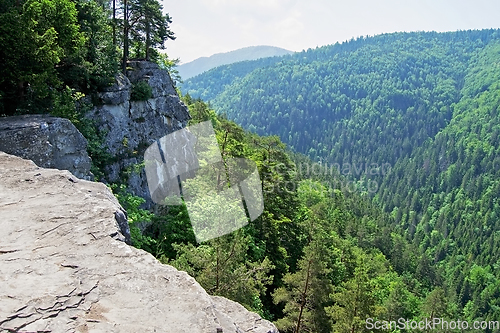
(64, 265)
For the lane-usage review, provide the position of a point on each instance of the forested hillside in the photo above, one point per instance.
(208, 85)
(446, 194)
(424, 103)
(364, 101)
(317, 259)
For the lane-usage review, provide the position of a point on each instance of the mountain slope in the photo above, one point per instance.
(208, 85)
(427, 104)
(447, 191)
(203, 64)
(365, 101)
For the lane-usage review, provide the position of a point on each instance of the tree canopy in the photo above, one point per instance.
(424, 104)
(49, 46)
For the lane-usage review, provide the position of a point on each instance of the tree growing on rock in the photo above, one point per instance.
(145, 25)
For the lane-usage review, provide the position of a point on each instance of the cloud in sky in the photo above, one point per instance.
(205, 27)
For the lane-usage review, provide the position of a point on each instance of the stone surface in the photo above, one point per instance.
(65, 268)
(48, 141)
(157, 78)
(118, 93)
(132, 126)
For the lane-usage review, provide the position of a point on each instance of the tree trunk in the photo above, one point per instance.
(114, 22)
(304, 297)
(148, 39)
(125, 36)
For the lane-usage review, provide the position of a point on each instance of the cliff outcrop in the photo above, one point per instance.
(130, 126)
(64, 265)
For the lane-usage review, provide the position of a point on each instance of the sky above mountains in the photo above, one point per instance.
(205, 27)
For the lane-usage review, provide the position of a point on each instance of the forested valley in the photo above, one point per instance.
(378, 157)
(412, 120)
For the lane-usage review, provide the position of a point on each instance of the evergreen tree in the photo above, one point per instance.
(305, 291)
(221, 267)
(146, 26)
(36, 36)
(354, 302)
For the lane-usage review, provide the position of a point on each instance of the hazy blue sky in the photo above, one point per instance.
(205, 27)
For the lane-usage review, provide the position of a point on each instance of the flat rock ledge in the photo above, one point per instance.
(64, 265)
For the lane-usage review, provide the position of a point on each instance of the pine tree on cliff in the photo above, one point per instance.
(145, 25)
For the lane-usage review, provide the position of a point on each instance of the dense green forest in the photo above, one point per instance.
(317, 260)
(399, 88)
(419, 111)
(425, 104)
(56, 51)
(447, 191)
(208, 85)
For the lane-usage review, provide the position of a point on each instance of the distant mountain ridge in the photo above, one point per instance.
(204, 64)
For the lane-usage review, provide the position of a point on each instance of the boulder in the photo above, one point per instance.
(48, 141)
(64, 265)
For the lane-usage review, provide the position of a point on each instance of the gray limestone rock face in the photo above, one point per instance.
(158, 79)
(65, 268)
(48, 141)
(130, 127)
(118, 93)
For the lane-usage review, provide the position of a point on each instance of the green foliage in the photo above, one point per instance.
(369, 100)
(150, 27)
(453, 195)
(141, 91)
(302, 261)
(425, 103)
(211, 83)
(100, 56)
(171, 227)
(222, 267)
(36, 35)
(71, 104)
(65, 105)
(144, 28)
(305, 291)
(137, 218)
(48, 45)
(170, 65)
